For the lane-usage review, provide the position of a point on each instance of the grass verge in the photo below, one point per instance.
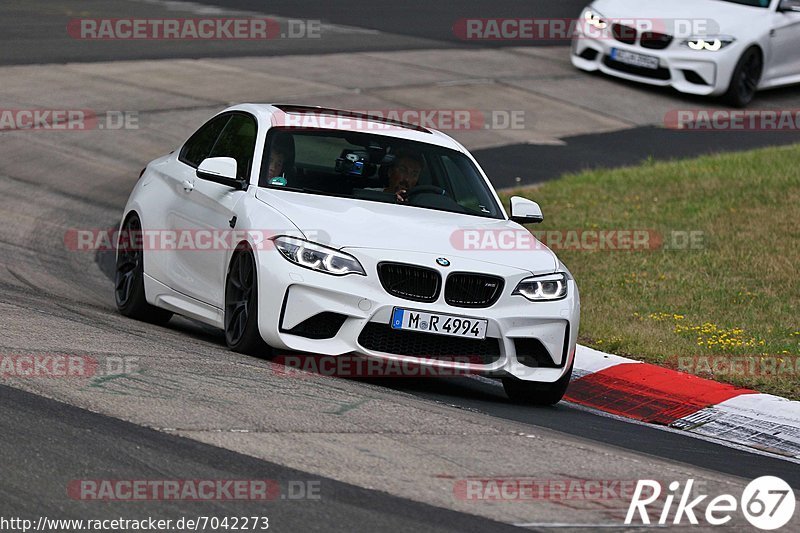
(716, 292)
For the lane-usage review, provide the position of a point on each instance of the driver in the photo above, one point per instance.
(404, 174)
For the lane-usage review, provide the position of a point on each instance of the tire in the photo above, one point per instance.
(746, 76)
(535, 393)
(129, 277)
(241, 306)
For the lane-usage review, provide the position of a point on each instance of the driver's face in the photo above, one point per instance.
(404, 175)
(276, 161)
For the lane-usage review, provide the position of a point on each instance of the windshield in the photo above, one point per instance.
(375, 168)
(753, 3)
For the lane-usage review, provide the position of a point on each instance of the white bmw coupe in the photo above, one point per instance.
(729, 48)
(331, 232)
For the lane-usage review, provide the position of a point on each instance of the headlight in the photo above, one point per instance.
(543, 288)
(594, 19)
(712, 44)
(317, 257)
(563, 268)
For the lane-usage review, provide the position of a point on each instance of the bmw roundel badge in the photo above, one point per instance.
(442, 261)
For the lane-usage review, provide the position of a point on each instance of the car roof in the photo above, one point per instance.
(280, 114)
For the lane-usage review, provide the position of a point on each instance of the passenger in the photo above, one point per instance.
(277, 158)
(278, 168)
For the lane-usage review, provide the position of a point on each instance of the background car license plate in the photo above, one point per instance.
(455, 326)
(632, 58)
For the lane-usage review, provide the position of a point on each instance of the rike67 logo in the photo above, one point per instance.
(767, 503)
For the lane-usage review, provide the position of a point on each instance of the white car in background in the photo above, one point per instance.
(729, 48)
(325, 260)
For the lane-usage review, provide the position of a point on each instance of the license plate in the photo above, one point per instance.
(437, 323)
(632, 58)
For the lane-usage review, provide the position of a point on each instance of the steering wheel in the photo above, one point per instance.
(422, 189)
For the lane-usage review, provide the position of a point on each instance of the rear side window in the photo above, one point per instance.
(238, 140)
(199, 145)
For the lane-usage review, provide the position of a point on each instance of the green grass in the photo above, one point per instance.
(735, 296)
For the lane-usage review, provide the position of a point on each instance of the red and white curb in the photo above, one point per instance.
(658, 395)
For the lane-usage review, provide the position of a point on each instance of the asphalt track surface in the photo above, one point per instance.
(90, 443)
(50, 301)
(33, 31)
(417, 18)
(616, 149)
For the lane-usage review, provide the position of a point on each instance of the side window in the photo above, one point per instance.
(200, 144)
(238, 140)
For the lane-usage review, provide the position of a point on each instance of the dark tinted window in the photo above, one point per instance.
(238, 140)
(366, 166)
(200, 144)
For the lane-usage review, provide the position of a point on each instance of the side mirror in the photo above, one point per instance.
(524, 211)
(789, 6)
(221, 170)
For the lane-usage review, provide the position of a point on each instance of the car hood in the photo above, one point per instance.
(345, 223)
(724, 18)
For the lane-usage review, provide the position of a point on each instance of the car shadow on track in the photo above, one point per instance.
(764, 98)
(444, 387)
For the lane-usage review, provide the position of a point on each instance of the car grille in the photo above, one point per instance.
(655, 41)
(382, 338)
(472, 290)
(320, 326)
(410, 282)
(660, 73)
(624, 34)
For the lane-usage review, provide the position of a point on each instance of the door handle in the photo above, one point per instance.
(188, 185)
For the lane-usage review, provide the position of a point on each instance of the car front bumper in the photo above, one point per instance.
(290, 295)
(688, 71)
